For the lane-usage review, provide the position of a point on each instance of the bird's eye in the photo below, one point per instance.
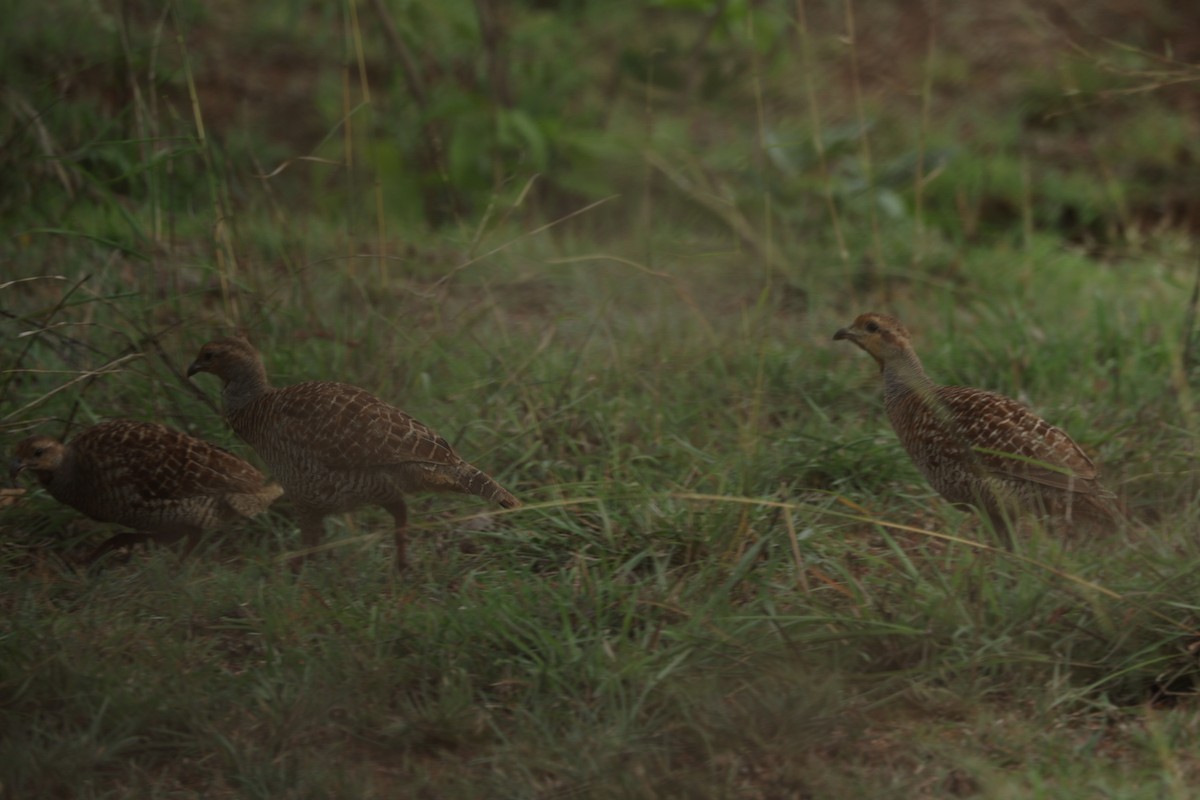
(872, 327)
(39, 452)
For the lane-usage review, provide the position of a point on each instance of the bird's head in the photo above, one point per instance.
(225, 358)
(39, 454)
(883, 337)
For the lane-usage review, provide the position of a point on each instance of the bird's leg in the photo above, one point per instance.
(168, 538)
(1002, 527)
(134, 538)
(399, 512)
(312, 527)
(193, 537)
(128, 538)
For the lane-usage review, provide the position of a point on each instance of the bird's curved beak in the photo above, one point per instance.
(14, 469)
(844, 333)
(193, 368)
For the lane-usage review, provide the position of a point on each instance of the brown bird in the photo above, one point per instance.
(980, 448)
(162, 483)
(336, 447)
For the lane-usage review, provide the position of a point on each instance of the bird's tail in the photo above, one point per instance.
(477, 482)
(1100, 509)
(250, 504)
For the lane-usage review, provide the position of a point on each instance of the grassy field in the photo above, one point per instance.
(603, 249)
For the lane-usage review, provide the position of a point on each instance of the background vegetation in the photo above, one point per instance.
(603, 247)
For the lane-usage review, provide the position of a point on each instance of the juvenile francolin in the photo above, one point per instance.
(336, 447)
(159, 481)
(980, 448)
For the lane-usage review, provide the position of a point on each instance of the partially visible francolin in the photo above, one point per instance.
(159, 481)
(980, 448)
(336, 447)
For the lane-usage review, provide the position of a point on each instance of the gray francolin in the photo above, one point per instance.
(980, 448)
(159, 481)
(337, 447)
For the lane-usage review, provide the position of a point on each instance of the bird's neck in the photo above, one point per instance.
(904, 375)
(244, 387)
(61, 478)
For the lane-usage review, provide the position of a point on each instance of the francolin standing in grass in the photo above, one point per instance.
(162, 483)
(980, 448)
(336, 447)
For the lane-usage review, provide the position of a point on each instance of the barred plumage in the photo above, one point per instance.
(159, 481)
(977, 447)
(336, 447)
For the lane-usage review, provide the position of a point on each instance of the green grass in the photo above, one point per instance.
(728, 580)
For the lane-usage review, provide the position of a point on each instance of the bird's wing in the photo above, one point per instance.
(161, 463)
(349, 428)
(1011, 441)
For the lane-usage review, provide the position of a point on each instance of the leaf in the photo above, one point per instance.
(518, 130)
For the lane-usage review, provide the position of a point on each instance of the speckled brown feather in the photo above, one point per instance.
(978, 447)
(336, 447)
(146, 476)
(322, 428)
(342, 426)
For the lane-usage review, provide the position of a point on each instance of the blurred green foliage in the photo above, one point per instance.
(454, 108)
